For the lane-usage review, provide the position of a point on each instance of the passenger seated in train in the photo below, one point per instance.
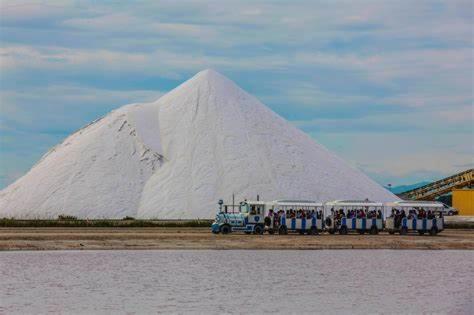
(379, 214)
(430, 215)
(397, 218)
(341, 214)
(276, 218)
(320, 215)
(361, 214)
(268, 218)
(302, 214)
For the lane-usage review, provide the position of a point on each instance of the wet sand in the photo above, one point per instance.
(202, 238)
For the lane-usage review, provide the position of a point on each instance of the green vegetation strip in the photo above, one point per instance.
(129, 222)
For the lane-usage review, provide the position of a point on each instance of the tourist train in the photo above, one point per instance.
(340, 216)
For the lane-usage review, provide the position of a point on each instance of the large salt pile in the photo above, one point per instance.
(174, 158)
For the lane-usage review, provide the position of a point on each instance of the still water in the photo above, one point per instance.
(341, 281)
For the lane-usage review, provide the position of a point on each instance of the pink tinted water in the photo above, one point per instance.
(342, 281)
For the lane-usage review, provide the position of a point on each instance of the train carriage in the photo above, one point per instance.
(411, 221)
(297, 216)
(339, 221)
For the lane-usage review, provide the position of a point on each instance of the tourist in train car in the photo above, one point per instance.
(379, 214)
(299, 214)
(292, 213)
(311, 214)
(420, 214)
(392, 214)
(276, 219)
(398, 219)
(320, 215)
(341, 213)
(430, 215)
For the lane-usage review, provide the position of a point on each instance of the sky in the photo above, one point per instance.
(387, 85)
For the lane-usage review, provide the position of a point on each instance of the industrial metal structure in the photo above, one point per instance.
(440, 187)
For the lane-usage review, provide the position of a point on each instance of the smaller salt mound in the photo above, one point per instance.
(102, 166)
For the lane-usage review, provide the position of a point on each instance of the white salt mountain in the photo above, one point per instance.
(174, 158)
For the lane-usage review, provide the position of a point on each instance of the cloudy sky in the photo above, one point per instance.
(388, 85)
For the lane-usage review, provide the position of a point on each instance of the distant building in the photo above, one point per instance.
(463, 200)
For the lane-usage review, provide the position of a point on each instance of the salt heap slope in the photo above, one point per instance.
(174, 158)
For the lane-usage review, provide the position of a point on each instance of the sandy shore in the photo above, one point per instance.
(202, 238)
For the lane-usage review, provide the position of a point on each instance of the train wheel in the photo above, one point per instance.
(259, 229)
(343, 230)
(271, 231)
(225, 229)
(268, 221)
(361, 232)
(332, 231)
(421, 232)
(434, 231)
(391, 232)
(374, 230)
(313, 231)
(404, 231)
(328, 222)
(283, 230)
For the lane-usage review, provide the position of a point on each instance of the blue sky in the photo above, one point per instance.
(388, 85)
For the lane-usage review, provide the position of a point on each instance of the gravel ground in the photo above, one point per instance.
(202, 238)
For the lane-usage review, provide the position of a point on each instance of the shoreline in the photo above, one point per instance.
(18, 239)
